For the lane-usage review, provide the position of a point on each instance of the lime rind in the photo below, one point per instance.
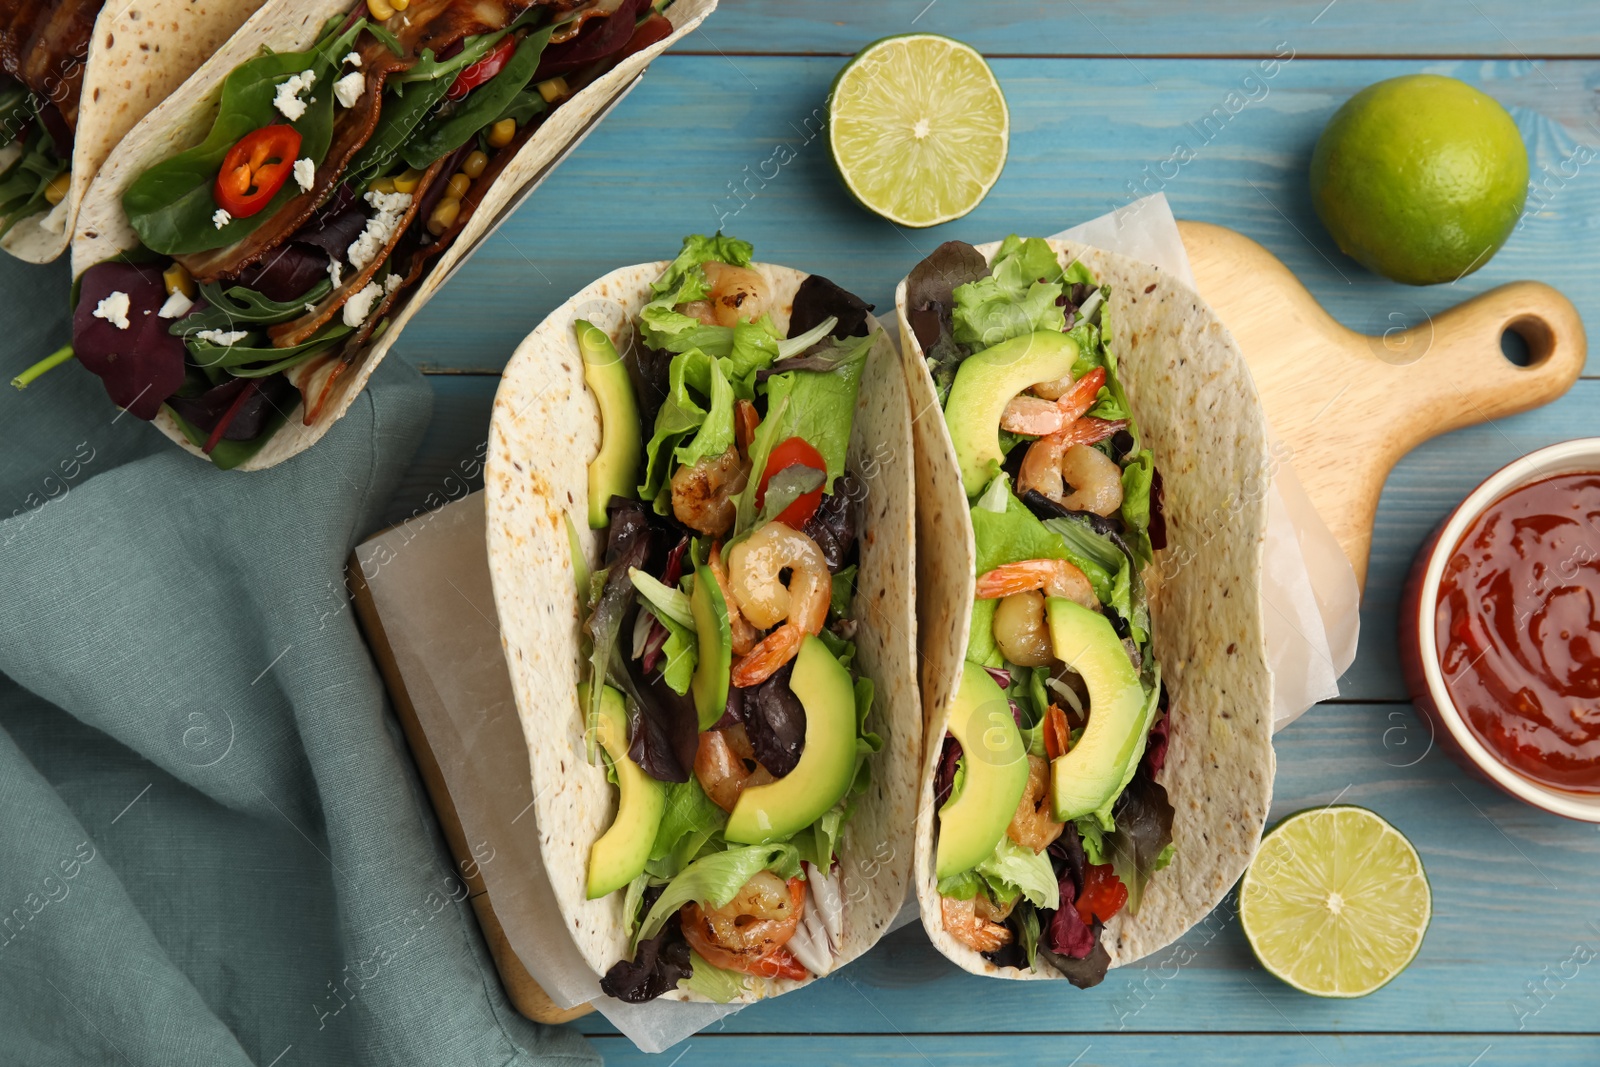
(1336, 902)
(918, 128)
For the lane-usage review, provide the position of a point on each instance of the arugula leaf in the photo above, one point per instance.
(237, 304)
(397, 120)
(452, 128)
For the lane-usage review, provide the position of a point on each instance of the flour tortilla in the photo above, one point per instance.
(184, 119)
(138, 54)
(1197, 409)
(545, 430)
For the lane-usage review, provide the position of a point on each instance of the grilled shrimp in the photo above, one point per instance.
(703, 492)
(723, 763)
(736, 294)
(1065, 458)
(751, 929)
(1019, 629)
(1057, 577)
(961, 921)
(1042, 415)
(744, 635)
(755, 568)
(1033, 826)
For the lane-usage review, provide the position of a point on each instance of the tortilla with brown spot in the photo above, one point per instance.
(544, 432)
(1197, 409)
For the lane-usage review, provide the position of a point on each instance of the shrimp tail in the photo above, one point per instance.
(763, 661)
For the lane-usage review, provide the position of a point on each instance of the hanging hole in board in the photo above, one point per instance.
(1526, 342)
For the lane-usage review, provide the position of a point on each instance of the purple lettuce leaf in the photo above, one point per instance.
(142, 365)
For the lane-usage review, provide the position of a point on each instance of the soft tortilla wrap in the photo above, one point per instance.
(139, 53)
(1197, 409)
(185, 117)
(544, 432)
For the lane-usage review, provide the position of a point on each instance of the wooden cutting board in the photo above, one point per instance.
(1350, 404)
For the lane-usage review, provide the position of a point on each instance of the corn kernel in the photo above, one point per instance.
(178, 280)
(407, 182)
(500, 133)
(381, 185)
(474, 164)
(459, 184)
(553, 88)
(56, 191)
(444, 215)
(399, 5)
(380, 9)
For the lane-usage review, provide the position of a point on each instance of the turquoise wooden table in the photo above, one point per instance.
(1101, 98)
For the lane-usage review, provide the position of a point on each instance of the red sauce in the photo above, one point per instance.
(1518, 630)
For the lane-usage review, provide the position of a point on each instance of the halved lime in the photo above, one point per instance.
(918, 128)
(1335, 902)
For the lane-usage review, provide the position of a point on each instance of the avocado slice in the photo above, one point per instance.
(715, 636)
(1093, 772)
(614, 471)
(995, 773)
(985, 382)
(827, 764)
(620, 854)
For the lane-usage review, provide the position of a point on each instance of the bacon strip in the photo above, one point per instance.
(298, 331)
(427, 24)
(45, 45)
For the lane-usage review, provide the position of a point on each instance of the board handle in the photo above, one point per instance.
(1462, 376)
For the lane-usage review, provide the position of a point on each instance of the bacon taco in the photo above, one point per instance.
(255, 246)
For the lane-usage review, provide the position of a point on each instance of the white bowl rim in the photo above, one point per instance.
(1581, 455)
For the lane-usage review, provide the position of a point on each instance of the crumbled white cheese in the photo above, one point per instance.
(335, 272)
(353, 59)
(114, 309)
(220, 218)
(348, 89)
(176, 307)
(305, 173)
(310, 306)
(221, 338)
(287, 100)
(359, 306)
(391, 208)
(392, 282)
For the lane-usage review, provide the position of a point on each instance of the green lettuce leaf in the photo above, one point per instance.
(1019, 296)
(713, 880)
(713, 983)
(689, 821)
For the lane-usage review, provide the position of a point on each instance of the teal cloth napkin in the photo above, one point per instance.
(214, 848)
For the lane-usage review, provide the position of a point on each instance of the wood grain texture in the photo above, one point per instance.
(1374, 398)
(1135, 28)
(1058, 1050)
(1087, 136)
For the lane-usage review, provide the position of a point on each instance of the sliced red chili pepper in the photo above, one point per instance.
(1103, 894)
(483, 70)
(796, 451)
(255, 169)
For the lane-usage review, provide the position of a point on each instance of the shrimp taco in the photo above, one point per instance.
(699, 489)
(75, 75)
(1092, 466)
(255, 246)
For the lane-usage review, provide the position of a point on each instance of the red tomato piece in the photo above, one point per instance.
(255, 169)
(1103, 894)
(483, 70)
(796, 451)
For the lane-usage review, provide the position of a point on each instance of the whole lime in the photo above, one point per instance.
(1420, 178)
